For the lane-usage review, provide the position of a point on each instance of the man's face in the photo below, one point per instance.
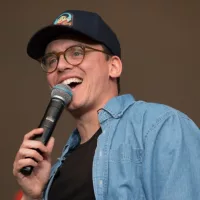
(94, 90)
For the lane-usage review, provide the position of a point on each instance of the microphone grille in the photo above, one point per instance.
(63, 92)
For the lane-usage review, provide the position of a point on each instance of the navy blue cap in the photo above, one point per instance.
(86, 23)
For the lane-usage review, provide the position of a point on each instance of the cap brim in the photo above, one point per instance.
(39, 41)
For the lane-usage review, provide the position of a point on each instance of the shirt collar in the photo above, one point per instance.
(115, 107)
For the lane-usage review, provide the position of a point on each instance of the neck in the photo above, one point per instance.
(87, 125)
(87, 121)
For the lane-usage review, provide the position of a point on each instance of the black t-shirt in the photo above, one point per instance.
(74, 179)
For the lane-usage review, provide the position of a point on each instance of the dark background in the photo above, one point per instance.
(160, 47)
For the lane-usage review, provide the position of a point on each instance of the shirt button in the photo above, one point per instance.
(100, 153)
(100, 183)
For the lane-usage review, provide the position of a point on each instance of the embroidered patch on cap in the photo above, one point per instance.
(64, 19)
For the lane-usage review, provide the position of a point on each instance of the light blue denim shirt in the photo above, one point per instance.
(146, 151)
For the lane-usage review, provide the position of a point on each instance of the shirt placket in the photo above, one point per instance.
(101, 159)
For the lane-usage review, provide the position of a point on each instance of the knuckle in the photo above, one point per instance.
(34, 154)
(40, 146)
(26, 136)
(29, 134)
(21, 152)
(14, 173)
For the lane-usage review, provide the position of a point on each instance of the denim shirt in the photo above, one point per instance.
(146, 151)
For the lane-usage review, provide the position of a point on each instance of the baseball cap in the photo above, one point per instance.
(85, 23)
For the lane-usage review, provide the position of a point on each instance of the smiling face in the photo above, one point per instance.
(96, 76)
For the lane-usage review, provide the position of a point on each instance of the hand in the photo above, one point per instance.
(27, 155)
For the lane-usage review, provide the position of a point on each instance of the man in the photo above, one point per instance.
(121, 148)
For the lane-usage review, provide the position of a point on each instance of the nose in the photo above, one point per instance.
(63, 64)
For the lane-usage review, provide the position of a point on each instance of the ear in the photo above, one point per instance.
(115, 67)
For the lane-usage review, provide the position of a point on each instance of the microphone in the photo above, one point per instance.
(61, 95)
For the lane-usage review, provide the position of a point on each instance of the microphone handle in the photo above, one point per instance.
(48, 123)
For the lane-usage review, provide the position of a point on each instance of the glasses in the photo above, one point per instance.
(73, 55)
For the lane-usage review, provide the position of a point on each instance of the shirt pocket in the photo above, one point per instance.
(126, 153)
(125, 173)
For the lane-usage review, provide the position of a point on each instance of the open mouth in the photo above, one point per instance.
(72, 82)
(73, 85)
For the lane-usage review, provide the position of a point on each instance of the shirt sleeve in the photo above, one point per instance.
(171, 169)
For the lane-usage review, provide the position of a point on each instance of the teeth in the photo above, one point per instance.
(72, 80)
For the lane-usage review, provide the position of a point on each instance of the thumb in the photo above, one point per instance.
(50, 144)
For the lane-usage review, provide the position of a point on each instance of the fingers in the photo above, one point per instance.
(24, 163)
(33, 144)
(32, 133)
(31, 152)
(50, 146)
(29, 146)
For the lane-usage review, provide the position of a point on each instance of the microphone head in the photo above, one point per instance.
(63, 92)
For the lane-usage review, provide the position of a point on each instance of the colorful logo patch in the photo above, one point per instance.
(64, 19)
